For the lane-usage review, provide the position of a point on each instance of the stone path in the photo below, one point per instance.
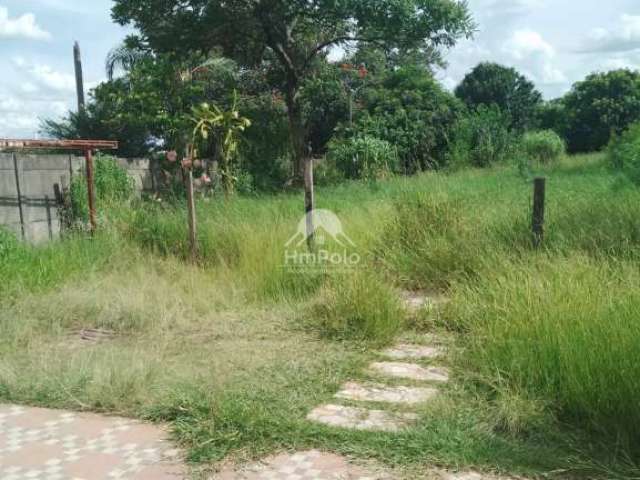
(403, 367)
(40, 444)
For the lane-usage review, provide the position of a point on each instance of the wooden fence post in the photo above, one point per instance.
(191, 205)
(537, 224)
(309, 201)
(91, 193)
(47, 206)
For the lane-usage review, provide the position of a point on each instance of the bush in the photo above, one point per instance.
(112, 183)
(409, 109)
(624, 153)
(544, 146)
(359, 306)
(363, 157)
(482, 138)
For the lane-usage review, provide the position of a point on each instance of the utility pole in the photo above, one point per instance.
(77, 59)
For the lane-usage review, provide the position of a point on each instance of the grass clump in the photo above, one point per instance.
(358, 306)
(624, 153)
(544, 146)
(562, 330)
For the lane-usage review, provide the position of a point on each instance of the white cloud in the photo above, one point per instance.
(45, 76)
(501, 8)
(525, 43)
(24, 26)
(623, 37)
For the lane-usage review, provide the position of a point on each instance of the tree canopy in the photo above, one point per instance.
(602, 104)
(492, 84)
(288, 36)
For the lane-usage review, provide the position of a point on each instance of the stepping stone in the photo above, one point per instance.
(411, 371)
(406, 351)
(361, 418)
(382, 393)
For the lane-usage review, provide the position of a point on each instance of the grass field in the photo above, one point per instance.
(235, 351)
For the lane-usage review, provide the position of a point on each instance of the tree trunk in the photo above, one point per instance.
(296, 132)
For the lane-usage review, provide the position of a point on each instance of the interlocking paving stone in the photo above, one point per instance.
(312, 465)
(382, 393)
(406, 351)
(464, 476)
(41, 444)
(361, 418)
(411, 371)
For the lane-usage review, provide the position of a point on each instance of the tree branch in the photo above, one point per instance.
(336, 40)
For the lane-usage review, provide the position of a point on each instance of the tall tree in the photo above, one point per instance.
(602, 104)
(289, 36)
(492, 84)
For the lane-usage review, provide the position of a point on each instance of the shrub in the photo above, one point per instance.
(359, 306)
(544, 146)
(624, 153)
(411, 110)
(363, 157)
(482, 138)
(112, 183)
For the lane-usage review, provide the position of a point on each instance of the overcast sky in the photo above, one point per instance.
(554, 42)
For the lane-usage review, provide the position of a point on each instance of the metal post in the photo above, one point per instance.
(19, 194)
(91, 194)
(77, 60)
(539, 193)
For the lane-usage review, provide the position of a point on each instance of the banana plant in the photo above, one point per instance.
(225, 129)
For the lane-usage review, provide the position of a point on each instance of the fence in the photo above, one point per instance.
(31, 188)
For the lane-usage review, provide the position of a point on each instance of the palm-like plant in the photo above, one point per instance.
(225, 127)
(124, 57)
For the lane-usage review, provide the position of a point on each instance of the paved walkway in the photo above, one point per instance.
(40, 444)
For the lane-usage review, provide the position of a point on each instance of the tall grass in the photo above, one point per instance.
(564, 330)
(549, 332)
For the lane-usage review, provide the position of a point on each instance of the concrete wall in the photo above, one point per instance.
(28, 184)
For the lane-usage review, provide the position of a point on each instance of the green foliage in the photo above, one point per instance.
(580, 347)
(289, 39)
(363, 158)
(8, 244)
(112, 184)
(490, 84)
(222, 129)
(552, 116)
(624, 153)
(482, 138)
(602, 104)
(410, 110)
(358, 306)
(544, 146)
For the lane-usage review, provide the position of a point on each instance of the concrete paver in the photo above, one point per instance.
(42, 444)
(382, 393)
(411, 371)
(361, 418)
(311, 465)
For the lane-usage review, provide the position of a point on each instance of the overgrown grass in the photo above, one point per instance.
(235, 349)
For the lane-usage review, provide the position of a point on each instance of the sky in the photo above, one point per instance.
(553, 42)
